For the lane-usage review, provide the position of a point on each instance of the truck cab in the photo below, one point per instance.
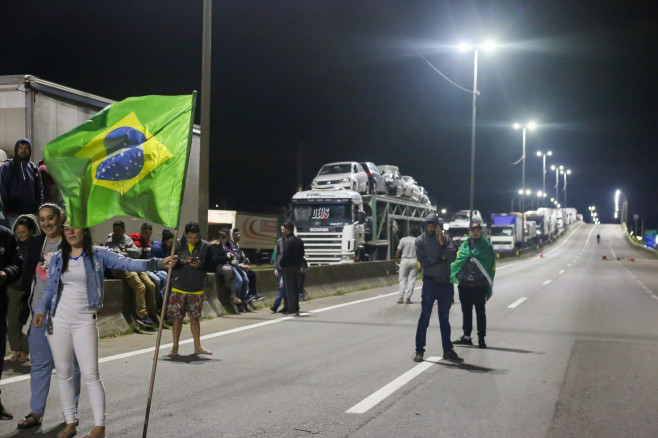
(331, 223)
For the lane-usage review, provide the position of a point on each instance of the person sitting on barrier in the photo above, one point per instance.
(73, 295)
(219, 262)
(245, 266)
(18, 311)
(140, 283)
(161, 249)
(241, 280)
(142, 240)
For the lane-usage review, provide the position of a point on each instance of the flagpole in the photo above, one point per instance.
(157, 342)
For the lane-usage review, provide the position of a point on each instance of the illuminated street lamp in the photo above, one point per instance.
(464, 47)
(543, 173)
(529, 126)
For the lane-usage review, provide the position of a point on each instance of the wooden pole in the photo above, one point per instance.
(157, 342)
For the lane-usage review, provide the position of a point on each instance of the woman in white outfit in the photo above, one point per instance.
(73, 295)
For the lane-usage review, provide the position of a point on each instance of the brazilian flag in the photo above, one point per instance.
(129, 159)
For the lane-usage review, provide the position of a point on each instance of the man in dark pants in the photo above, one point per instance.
(435, 252)
(11, 265)
(474, 270)
(292, 258)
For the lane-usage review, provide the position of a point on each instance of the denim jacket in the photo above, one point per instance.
(103, 258)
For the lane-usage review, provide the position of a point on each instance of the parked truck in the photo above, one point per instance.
(506, 232)
(342, 226)
(545, 221)
(257, 231)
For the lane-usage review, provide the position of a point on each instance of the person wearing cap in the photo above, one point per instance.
(435, 252)
(473, 271)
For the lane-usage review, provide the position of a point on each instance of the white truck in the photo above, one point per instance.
(342, 226)
(506, 232)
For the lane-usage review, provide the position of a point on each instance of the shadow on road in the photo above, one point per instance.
(37, 432)
(509, 350)
(470, 368)
(187, 359)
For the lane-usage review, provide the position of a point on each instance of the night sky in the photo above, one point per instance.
(346, 80)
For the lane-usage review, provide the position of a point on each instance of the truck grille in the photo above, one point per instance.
(322, 248)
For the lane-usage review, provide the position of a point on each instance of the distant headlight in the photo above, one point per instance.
(346, 179)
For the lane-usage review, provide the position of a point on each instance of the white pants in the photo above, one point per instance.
(78, 339)
(408, 274)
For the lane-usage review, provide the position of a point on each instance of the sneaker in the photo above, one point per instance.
(463, 341)
(418, 356)
(259, 297)
(146, 322)
(408, 301)
(273, 310)
(250, 298)
(481, 343)
(401, 300)
(452, 356)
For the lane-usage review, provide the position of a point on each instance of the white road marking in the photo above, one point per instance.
(377, 397)
(517, 303)
(15, 379)
(562, 271)
(547, 282)
(568, 265)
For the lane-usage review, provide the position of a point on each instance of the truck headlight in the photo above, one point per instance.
(314, 182)
(347, 179)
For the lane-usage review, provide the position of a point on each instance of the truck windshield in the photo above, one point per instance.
(502, 231)
(458, 232)
(321, 214)
(335, 168)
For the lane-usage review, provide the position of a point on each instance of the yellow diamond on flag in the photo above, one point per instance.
(123, 155)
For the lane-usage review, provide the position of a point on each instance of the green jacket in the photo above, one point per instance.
(483, 252)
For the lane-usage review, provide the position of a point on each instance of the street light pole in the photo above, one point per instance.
(564, 189)
(475, 93)
(543, 174)
(530, 126)
(557, 170)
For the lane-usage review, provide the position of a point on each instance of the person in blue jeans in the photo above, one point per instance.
(435, 252)
(37, 258)
(281, 292)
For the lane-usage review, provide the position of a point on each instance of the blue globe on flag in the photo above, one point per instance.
(125, 155)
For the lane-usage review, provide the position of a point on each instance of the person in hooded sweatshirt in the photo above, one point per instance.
(21, 188)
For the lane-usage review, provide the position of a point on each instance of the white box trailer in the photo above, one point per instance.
(41, 111)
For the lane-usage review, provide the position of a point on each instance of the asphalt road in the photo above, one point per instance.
(573, 351)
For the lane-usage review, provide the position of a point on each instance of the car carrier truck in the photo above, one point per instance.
(342, 226)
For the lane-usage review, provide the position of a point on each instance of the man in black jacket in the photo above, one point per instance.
(11, 265)
(21, 188)
(292, 258)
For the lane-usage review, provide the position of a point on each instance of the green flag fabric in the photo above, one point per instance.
(482, 251)
(129, 159)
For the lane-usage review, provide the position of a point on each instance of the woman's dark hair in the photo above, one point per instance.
(87, 246)
(27, 223)
(221, 235)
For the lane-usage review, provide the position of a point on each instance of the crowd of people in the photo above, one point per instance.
(59, 273)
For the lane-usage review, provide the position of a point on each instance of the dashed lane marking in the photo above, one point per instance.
(547, 282)
(517, 303)
(377, 397)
